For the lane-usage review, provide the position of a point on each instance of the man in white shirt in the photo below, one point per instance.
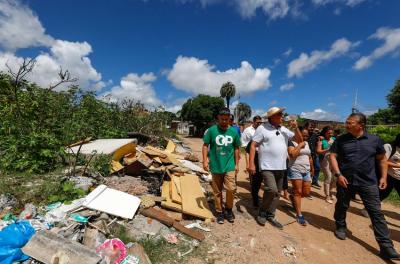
(272, 141)
(255, 179)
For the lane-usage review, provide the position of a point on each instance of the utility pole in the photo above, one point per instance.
(354, 108)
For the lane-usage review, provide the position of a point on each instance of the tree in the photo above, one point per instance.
(201, 110)
(242, 112)
(228, 90)
(389, 115)
(393, 97)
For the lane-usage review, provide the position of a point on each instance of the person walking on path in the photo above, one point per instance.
(353, 158)
(323, 147)
(222, 159)
(255, 179)
(393, 156)
(299, 173)
(272, 141)
(312, 143)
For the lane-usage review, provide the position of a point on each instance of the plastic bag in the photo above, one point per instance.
(12, 239)
(29, 212)
(112, 251)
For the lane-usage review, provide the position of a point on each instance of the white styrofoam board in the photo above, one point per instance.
(102, 146)
(112, 202)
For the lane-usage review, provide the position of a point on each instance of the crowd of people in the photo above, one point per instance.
(356, 162)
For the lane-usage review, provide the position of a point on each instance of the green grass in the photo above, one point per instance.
(393, 198)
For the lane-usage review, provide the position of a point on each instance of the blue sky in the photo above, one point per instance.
(309, 56)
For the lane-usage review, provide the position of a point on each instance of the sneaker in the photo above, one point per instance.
(229, 215)
(364, 213)
(389, 253)
(275, 223)
(329, 200)
(310, 197)
(262, 218)
(316, 185)
(300, 219)
(340, 233)
(220, 218)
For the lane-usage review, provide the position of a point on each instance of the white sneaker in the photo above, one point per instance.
(309, 197)
(329, 200)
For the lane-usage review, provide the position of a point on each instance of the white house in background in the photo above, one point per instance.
(183, 127)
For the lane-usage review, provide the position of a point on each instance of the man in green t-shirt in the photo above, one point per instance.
(221, 157)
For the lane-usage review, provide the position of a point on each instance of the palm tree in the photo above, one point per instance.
(243, 112)
(228, 90)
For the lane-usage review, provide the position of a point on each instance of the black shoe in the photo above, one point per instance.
(256, 203)
(262, 218)
(229, 215)
(340, 233)
(275, 223)
(389, 253)
(316, 185)
(220, 218)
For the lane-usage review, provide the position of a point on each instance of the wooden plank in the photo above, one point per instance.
(175, 192)
(193, 200)
(170, 146)
(168, 203)
(50, 248)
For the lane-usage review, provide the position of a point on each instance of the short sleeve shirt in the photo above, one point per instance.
(247, 135)
(302, 162)
(273, 144)
(357, 157)
(222, 144)
(395, 158)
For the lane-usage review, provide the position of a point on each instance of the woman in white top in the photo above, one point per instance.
(300, 170)
(393, 156)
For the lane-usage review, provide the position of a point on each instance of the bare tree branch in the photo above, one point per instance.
(25, 68)
(65, 77)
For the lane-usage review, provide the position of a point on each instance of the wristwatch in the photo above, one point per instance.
(337, 174)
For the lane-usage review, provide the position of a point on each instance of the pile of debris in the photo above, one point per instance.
(153, 192)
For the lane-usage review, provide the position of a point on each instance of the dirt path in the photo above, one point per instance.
(247, 242)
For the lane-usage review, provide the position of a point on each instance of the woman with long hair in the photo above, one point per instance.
(299, 172)
(393, 179)
(323, 146)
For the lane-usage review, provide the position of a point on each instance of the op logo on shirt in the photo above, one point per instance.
(222, 140)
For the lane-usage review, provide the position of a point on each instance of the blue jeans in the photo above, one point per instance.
(316, 170)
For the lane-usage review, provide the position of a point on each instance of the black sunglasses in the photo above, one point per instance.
(277, 133)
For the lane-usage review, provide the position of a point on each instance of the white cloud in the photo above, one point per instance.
(197, 76)
(320, 115)
(350, 3)
(286, 87)
(135, 87)
(306, 63)
(391, 38)
(20, 27)
(288, 52)
(71, 56)
(370, 112)
(259, 111)
(176, 105)
(274, 9)
(273, 102)
(331, 104)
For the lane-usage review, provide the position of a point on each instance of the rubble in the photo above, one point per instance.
(166, 183)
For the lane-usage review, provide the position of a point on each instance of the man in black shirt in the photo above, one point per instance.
(353, 158)
(312, 143)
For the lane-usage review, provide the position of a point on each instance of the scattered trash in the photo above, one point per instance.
(289, 251)
(82, 182)
(78, 218)
(12, 238)
(10, 217)
(180, 255)
(198, 226)
(112, 251)
(104, 199)
(7, 200)
(29, 212)
(53, 206)
(128, 184)
(171, 238)
(130, 259)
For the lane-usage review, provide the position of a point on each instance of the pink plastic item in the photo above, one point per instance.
(112, 251)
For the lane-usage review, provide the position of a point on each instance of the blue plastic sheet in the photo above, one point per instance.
(12, 239)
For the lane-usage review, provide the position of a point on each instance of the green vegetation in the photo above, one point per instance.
(387, 134)
(227, 91)
(390, 115)
(37, 123)
(201, 111)
(242, 112)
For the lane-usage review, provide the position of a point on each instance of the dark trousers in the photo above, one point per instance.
(273, 180)
(316, 170)
(285, 183)
(391, 183)
(255, 182)
(370, 197)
